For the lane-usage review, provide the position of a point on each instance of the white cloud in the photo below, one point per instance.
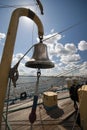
(64, 57)
(71, 48)
(60, 49)
(52, 30)
(82, 68)
(82, 45)
(70, 58)
(52, 38)
(2, 35)
(64, 54)
(56, 48)
(16, 58)
(67, 53)
(23, 70)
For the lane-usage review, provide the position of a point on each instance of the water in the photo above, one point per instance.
(27, 84)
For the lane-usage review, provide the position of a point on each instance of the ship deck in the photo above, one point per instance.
(61, 117)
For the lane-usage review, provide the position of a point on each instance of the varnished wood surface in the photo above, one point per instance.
(59, 118)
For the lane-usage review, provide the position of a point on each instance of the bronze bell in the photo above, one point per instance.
(40, 58)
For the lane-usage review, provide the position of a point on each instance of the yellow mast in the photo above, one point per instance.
(9, 48)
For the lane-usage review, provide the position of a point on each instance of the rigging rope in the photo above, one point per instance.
(13, 76)
(71, 70)
(66, 29)
(8, 94)
(14, 6)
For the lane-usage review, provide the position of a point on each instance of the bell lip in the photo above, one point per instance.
(40, 64)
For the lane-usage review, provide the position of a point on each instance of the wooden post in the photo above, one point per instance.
(83, 106)
(9, 48)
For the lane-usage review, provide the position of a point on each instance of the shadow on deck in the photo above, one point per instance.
(62, 117)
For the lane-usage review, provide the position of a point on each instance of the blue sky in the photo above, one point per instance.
(68, 49)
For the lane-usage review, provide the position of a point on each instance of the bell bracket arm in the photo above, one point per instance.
(9, 48)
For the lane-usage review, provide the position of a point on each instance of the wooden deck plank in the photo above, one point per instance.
(52, 119)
